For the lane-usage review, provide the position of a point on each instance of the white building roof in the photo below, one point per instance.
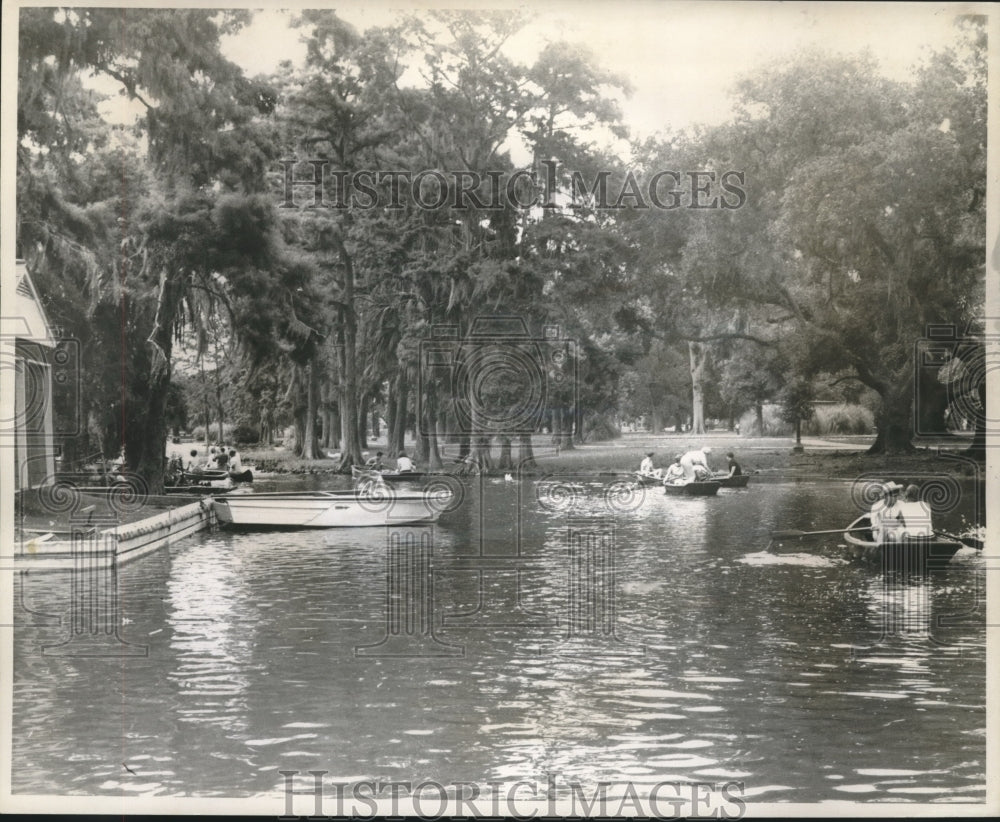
(28, 320)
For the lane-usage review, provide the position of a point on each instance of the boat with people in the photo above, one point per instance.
(330, 509)
(694, 488)
(388, 476)
(199, 475)
(910, 552)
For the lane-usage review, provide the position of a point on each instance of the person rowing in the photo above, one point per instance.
(695, 464)
(915, 514)
(734, 467)
(675, 473)
(886, 516)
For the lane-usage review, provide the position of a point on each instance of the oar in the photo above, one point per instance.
(793, 534)
(972, 542)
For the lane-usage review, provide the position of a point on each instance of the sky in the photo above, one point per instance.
(681, 58)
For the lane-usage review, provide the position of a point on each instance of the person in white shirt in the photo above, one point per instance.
(692, 459)
(646, 466)
(886, 517)
(675, 473)
(235, 463)
(916, 514)
(404, 465)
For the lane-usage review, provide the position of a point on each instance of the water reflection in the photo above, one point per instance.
(661, 642)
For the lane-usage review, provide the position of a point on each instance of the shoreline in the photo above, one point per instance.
(767, 457)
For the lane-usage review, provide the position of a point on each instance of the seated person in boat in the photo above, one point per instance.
(886, 518)
(404, 465)
(222, 459)
(375, 463)
(192, 462)
(675, 473)
(915, 513)
(733, 465)
(175, 468)
(235, 463)
(695, 458)
(646, 466)
(210, 459)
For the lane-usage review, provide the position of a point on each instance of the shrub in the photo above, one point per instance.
(600, 428)
(774, 425)
(198, 433)
(845, 418)
(246, 434)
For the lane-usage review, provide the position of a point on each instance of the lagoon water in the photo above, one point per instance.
(570, 628)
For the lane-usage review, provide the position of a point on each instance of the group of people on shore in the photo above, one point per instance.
(894, 519)
(691, 466)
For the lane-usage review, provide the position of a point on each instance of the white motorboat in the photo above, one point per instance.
(332, 509)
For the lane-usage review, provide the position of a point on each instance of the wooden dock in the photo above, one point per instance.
(99, 546)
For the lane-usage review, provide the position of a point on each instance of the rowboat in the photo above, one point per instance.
(216, 475)
(388, 476)
(647, 479)
(737, 481)
(912, 553)
(330, 509)
(692, 489)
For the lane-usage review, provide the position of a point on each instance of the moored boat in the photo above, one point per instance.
(912, 553)
(330, 509)
(389, 476)
(216, 475)
(695, 488)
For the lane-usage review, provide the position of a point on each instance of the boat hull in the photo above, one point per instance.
(648, 479)
(739, 481)
(329, 509)
(692, 489)
(912, 554)
(389, 476)
(198, 477)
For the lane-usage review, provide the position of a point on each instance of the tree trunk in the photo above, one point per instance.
(697, 354)
(397, 434)
(348, 362)
(894, 421)
(363, 419)
(298, 410)
(429, 425)
(655, 420)
(556, 418)
(390, 411)
(145, 435)
(376, 433)
(481, 453)
(760, 419)
(208, 405)
(525, 452)
(505, 462)
(568, 429)
(310, 446)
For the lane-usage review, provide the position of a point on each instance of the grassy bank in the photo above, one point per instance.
(840, 457)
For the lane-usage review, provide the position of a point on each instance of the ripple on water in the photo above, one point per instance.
(807, 560)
